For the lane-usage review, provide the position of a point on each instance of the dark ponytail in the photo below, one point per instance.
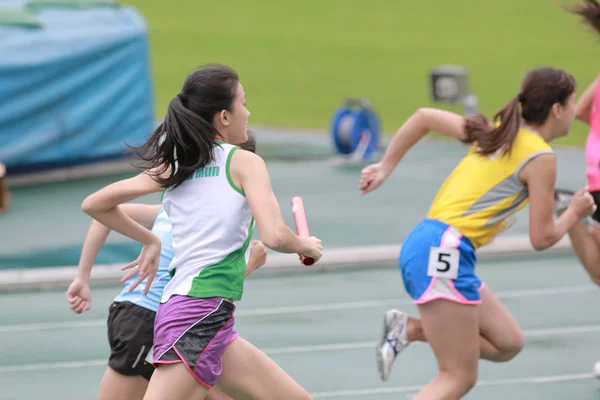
(184, 141)
(540, 90)
(589, 12)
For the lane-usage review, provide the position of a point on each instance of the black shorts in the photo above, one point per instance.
(596, 214)
(131, 337)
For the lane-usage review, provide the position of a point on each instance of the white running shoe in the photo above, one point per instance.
(395, 326)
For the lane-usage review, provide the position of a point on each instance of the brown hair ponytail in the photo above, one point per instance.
(540, 90)
(490, 139)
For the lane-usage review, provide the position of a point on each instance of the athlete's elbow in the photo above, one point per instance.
(542, 242)
(88, 206)
(539, 246)
(421, 114)
(271, 241)
(91, 206)
(279, 239)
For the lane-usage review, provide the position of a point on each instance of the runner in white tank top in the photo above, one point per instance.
(213, 189)
(130, 324)
(210, 251)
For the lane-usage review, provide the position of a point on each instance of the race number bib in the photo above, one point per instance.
(443, 263)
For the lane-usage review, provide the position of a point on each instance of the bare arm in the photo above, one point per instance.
(94, 240)
(423, 121)
(418, 125)
(104, 206)
(584, 104)
(250, 170)
(540, 176)
(144, 214)
(78, 294)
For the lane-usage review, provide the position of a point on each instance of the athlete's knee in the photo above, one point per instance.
(511, 345)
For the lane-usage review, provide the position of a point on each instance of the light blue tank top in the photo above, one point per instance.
(163, 229)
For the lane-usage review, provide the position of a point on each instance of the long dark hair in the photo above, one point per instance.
(540, 90)
(589, 12)
(184, 141)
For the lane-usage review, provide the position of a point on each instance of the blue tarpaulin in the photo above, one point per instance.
(77, 89)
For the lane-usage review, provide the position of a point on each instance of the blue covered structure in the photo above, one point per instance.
(75, 87)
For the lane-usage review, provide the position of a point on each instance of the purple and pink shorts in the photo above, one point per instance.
(195, 332)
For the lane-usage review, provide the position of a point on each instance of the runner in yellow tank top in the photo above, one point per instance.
(482, 192)
(509, 164)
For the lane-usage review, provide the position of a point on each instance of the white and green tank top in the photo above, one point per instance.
(212, 228)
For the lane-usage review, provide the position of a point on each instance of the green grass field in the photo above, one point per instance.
(298, 60)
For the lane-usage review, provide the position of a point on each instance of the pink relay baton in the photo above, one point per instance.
(301, 225)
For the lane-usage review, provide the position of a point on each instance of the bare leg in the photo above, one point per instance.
(453, 332)
(499, 328)
(249, 374)
(174, 382)
(115, 386)
(587, 249)
(500, 337)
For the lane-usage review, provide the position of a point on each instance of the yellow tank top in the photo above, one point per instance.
(483, 192)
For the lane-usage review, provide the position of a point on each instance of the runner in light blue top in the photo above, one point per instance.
(163, 229)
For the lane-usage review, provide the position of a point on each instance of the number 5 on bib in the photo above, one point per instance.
(443, 263)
